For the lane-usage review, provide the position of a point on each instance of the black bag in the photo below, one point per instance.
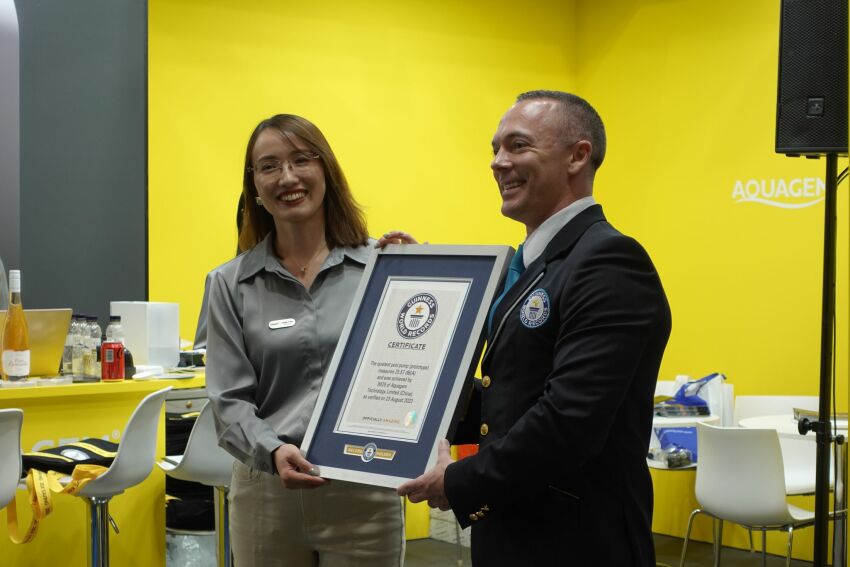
(64, 458)
(190, 505)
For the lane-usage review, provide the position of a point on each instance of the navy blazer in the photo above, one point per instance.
(563, 410)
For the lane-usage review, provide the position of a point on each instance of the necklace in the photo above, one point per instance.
(310, 261)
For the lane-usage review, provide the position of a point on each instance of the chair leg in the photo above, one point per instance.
(750, 531)
(763, 547)
(224, 557)
(688, 535)
(718, 540)
(458, 545)
(790, 545)
(98, 531)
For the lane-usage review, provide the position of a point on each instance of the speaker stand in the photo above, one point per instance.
(823, 426)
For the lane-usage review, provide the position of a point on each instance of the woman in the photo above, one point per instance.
(306, 249)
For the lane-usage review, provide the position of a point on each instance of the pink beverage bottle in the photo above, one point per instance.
(112, 352)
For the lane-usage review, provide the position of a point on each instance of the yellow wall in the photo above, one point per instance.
(409, 95)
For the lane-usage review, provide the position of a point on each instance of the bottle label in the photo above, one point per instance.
(16, 362)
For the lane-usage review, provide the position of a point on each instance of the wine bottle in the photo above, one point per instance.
(16, 340)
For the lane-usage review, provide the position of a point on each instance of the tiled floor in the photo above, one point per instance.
(432, 553)
(668, 550)
(195, 551)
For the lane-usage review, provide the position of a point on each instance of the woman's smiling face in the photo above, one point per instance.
(288, 176)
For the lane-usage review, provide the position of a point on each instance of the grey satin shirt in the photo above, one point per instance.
(262, 382)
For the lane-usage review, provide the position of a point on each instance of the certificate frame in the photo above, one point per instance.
(466, 280)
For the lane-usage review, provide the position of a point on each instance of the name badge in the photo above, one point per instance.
(281, 323)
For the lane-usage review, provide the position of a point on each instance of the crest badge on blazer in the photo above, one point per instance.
(535, 309)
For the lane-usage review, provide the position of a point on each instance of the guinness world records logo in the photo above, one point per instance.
(417, 316)
(369, 451)
(535, 309)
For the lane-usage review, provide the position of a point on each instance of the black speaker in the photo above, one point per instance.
(811, 109)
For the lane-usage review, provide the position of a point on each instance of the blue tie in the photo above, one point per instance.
(515, 270)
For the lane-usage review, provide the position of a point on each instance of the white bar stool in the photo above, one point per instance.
(133, 463)
(205, 462)
(10, 453)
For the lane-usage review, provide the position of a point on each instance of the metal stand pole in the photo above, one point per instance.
(839, 525)
(823, 427)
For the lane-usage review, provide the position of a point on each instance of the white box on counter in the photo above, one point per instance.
(151, 331)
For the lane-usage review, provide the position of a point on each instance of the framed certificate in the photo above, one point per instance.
(412, 337)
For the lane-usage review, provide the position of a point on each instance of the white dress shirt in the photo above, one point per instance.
(536, 242)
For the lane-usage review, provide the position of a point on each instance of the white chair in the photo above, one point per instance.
(205, 462)
(798, 455)
(10, 453)
(133, 463)
(741, 479)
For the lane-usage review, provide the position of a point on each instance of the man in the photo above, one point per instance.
(563, 410)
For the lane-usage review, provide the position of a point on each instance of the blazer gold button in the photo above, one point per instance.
(480, 514)
(485, 429)
(473, 517)
(485, 381)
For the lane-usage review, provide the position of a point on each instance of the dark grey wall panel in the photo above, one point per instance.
(83, 152)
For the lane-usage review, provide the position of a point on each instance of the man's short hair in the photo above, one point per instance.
(580, 121)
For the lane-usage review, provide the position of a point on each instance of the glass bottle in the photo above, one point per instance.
(16, 341)
(68, 351)
(96, 338)
(78, 350)
(88, 347)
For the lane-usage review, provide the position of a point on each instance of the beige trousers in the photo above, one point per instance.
(342, 524)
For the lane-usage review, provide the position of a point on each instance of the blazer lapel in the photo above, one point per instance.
(512, 298)
(560, 245)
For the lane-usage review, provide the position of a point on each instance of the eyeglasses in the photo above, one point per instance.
(300, 162)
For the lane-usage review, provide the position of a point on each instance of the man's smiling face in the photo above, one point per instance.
(531, 162)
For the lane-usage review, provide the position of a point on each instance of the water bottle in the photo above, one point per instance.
(68, 351)
(97, 338)
(88, 347)
(78, 349)
(92, 366)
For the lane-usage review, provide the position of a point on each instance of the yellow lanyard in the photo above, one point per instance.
(40, 486)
